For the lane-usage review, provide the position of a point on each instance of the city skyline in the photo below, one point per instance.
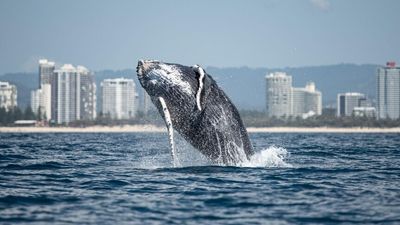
(74, 90)
(269, 34)
(330, 79)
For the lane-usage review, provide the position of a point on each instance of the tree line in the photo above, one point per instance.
(9, 116)
(250, 119)
(327, 119)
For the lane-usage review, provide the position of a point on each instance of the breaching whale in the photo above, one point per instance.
(191, 102)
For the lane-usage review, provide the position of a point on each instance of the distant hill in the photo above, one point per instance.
(245, 86)
(25, 82)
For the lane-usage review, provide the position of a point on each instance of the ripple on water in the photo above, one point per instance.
(129, 178)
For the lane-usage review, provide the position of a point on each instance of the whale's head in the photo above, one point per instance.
(181, 86)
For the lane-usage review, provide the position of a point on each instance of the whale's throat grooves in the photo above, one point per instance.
(170, 129)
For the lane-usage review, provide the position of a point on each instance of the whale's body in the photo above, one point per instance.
(197, 109)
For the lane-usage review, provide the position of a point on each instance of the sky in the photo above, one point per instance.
(224, 33)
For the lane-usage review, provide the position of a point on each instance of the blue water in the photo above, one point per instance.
(128, 178)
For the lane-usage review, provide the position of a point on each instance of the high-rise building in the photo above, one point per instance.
(88, 94)
(147, 104)
(8, 95)
(66, 98)
(279, 94)
(285, 100)
(119, 96)
(41, 101)
(46, 71)
(346, 102)
(307, 101)
(66, 94)
(388, 91)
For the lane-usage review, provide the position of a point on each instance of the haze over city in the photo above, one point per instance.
(115, 34)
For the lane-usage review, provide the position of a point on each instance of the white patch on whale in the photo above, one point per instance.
(170, 129)
(199, 90)
(173, 76)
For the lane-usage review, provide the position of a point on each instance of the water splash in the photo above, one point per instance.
(186, 155)
(270, 157)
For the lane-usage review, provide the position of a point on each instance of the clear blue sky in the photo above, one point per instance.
(268, 33)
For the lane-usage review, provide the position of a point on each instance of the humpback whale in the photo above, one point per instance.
(191, 102)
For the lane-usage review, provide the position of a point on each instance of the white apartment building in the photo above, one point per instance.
(119, 98)
(41, 101)
(66, 84)
(388, 91)
(279, 94)
(346, 102)
(285, 100)
(364, 111)
(46, 71)
(306, 101)
(148, 105)
(8, 95)
(88, 94)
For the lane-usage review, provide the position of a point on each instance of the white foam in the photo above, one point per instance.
(270, 157)
(174, 76)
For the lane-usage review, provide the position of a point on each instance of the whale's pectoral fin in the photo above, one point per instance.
(168, 122)
(203, 87)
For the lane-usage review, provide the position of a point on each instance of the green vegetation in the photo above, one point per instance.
(327, 119)
(7, 117)
(152, 118)
(250, 119)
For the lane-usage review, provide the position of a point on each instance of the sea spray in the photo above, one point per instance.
(270, 157)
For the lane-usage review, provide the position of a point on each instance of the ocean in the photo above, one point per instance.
(129, 178)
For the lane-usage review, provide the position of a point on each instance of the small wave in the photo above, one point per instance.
(270, 157)
(38, 166)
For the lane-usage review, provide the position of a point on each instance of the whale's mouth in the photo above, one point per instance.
(144, 66)
(140, 69)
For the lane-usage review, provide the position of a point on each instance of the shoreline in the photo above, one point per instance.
(156, 129)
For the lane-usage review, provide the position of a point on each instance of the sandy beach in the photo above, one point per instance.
(151, 128)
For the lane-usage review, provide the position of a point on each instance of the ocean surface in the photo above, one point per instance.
(128, 178)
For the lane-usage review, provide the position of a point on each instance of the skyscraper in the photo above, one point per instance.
(46, 71)
(346, 102)
(8, 95)
(66, 84)
(279, 95)
(306, 101)
(147, 104)
(285, 100)
(88, 94)
(41, 101)
(119, 96)
(66, 94)
(388, 91)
